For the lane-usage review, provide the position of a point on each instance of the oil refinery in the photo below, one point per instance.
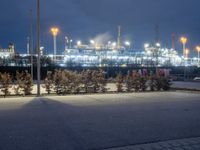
(99, 52)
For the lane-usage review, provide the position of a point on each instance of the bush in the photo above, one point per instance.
(48, 82)
(28, 83)
(119, 82)
(143, 83)
(166, 84)
(136, 82)
(102, 81)
(76, 84)
(152, 84)
(24, 83)
(57, 80)
(158, 83)
(129, 82)
(5, 83)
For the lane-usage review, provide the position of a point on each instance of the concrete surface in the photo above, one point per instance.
(186, 85)
(180, 144)
(94, 122)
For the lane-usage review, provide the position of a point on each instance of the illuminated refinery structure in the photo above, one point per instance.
(8, 52)
(101, 52)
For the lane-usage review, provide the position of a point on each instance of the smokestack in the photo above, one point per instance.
(157, 29)
(173, 41)
(66, 42)
(28, 45)
(119, 38)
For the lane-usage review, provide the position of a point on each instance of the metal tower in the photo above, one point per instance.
(173, 41)
(119, 38)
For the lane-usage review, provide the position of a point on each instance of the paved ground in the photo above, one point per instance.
(95, 122)
(180, 144)
(186, 85)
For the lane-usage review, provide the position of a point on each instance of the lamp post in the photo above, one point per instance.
(183, 41)
(31, 41)
(187, 51)
(66, 42)
(198, 51)
(70, 43)
(38, 48)
(114, 44)
(54, 31)
(79, 43)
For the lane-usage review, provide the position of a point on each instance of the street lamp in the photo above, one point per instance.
(70, 43)
(114, 44)
(78, 44)
(127, 43)
(158, 44)
(198, 50)
(66, 42)
(54, 31)
(146, 45)
(187, 51)
(38, 48)
(92, 42)
(108, 45)
(184, 41)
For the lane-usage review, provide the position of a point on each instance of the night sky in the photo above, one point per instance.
(85, 19)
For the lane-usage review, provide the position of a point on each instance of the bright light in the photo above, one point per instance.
(127, 43)
(114, 44)
(187, 51)
(78, 43)
(41, 48)
(198, 48)
(71, 40)
(183, 40)
(92, 42)
(54, 31)
(146, 45)
(158, 44)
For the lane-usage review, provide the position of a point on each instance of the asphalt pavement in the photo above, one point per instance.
(95, 122)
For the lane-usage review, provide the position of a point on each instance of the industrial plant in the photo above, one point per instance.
(99, 52)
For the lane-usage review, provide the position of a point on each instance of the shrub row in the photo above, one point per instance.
(88, 81)
(137, 82)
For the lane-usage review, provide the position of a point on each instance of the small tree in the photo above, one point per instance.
(143, 81)
(129, 82)
(57, 80)
(18, 83)
(119, 82)
(27, 83)
(65, 82)
(136, 82)
(152, 85)
(48, 82)
(102, 81)
(95, 81)
(166, 84)
(86, 80)
(76, 82)
(158, 83)
(24, 83)
(5, 82)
